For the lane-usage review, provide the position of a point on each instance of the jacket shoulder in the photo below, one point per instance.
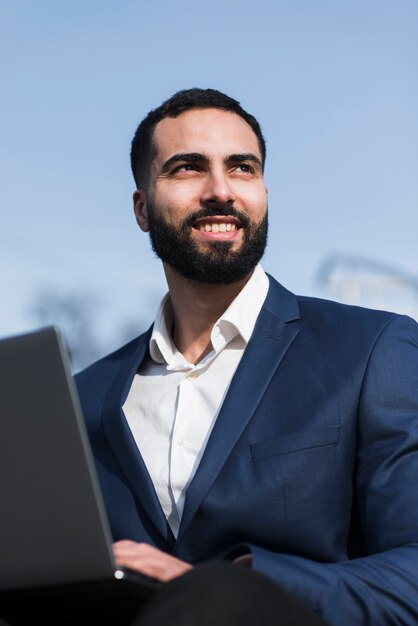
(331, 308)
(330, 317)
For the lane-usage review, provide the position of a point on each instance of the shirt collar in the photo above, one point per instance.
(239, 319)
(161, 346)
(242, 313)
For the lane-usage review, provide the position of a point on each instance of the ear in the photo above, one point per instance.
(140, 209)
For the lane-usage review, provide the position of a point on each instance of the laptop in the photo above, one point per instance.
(55, 540)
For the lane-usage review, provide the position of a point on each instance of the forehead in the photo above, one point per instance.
(208, 131)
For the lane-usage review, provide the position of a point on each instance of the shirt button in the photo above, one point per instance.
(192, 376)
(181, 442)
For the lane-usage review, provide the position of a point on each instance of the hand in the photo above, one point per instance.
(149, 560)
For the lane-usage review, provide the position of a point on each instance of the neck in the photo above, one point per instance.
(196, 308)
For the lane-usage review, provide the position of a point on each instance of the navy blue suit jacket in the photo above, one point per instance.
(312, 464)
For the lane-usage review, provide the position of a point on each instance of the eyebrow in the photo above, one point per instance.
(197, 157)
(184, 157)
(242, 158)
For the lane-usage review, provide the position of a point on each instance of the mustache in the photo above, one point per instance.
(224, 211)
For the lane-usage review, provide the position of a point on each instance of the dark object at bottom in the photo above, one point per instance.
(212, 594)
(110, 603)
(222, 594)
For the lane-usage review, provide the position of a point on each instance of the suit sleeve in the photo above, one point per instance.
(380, 589)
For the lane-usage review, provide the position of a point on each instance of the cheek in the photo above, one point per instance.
(255, 202)
(250, 193)
(176, 200)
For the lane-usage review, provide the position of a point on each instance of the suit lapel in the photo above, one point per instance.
(271, 338)
(122, 442)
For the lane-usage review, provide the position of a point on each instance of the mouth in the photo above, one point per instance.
(218, 226)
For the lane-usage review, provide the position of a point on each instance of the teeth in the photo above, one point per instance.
(217, 228)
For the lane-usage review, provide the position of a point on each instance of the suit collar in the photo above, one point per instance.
(281, 303)
(121, 439)
(272, 336)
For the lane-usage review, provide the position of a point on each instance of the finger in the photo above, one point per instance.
(128, 547)
(125, 543)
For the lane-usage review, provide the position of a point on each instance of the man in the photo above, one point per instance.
(249, 424)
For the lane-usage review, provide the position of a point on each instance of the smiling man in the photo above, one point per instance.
(211, 204)
(273, 436)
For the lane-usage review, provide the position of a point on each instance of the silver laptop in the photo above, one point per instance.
(54, 530)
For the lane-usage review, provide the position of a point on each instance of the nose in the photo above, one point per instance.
(217, 190)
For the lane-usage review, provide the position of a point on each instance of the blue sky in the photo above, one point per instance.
(334, 84)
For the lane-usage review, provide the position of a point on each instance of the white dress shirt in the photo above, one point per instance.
(172, 405)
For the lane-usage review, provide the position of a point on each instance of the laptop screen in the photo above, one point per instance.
(53, 525)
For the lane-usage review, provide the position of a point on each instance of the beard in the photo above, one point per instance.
(218, 264)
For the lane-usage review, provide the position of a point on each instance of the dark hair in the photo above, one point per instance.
(143, 150)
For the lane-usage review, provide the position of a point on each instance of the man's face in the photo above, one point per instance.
(206, 203)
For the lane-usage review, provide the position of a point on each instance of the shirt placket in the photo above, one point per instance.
(180, 442)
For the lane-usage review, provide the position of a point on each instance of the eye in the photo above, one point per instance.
(186, 167)
(244, 167)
